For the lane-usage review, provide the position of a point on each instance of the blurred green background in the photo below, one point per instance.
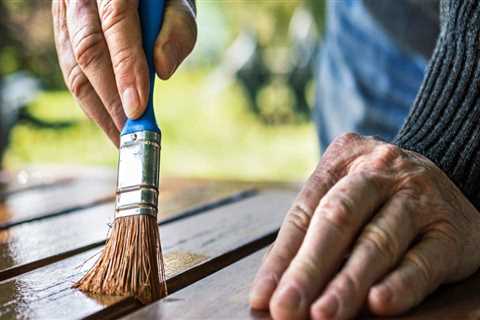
(213, 126)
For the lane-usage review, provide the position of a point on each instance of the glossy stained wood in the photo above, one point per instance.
(30, 245)
(38, 193)
(212, 233)
(224, 295)
(51, 200)
(221, 236)
(33, 178)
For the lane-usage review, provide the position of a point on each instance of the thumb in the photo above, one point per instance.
(177, 37)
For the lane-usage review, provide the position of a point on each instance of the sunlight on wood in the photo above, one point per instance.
(177, 262)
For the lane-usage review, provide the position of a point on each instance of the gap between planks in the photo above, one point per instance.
(190, 276)
(228, 232)
(14, 184)
(27, 267)
(222, 295)
(53, 199)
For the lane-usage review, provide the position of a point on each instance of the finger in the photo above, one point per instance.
(380, 246)
(121, 28)
(91, 53)
(176, 39)
(76, 81)
(424, 268)
(331, 168)
(289, 239)
(337, 219)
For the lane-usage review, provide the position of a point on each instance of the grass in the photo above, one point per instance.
(205, 134)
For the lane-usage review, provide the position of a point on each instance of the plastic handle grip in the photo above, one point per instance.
(151, 18)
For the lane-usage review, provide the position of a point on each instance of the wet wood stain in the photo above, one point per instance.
(177, 262)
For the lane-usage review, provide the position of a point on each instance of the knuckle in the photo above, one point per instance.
(338, 212)
(414, 185)
(112, 11)
(423, 266)
(383, 241)
(123, 60)
(389, 151)
(280, 254)
(323, 176)
(386, 154)
(77, 82)
(299, 217)
(87, 46)
(346, 139)
(303, 268)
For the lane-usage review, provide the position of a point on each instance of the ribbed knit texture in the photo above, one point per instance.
(444, 123)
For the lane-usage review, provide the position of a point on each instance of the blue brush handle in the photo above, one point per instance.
(151, 18)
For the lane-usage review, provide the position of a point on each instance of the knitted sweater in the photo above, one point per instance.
(444, 122)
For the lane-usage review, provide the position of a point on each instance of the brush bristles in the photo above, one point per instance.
(131, 263)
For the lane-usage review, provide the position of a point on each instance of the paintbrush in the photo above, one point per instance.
(131, 263)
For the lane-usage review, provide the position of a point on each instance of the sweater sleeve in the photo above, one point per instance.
(444, 122)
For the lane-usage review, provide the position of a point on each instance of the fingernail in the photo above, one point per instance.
(326, 307)
(131, 102)
(171, 61)
(289, 298)
(262, 291)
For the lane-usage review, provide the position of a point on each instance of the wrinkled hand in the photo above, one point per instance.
(99, 47)
(405, 227)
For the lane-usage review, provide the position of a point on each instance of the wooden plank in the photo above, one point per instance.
(44, 176)
(223, 232)
(28, 179)
(222, 295)
(49, 191)
(61, 198)
(31, 245)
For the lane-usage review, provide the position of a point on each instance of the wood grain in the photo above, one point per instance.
(44, 192)
(46, 292)
(31, 178)
(54, 200)
(224, 295)
(34, 244)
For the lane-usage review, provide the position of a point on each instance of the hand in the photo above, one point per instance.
(374, 224)
(99, 48)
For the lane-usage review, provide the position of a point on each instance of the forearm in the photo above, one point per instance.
(444, 123)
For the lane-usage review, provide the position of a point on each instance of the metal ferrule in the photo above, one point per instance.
(138, 174)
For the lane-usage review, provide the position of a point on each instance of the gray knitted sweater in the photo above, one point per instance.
(444, 122)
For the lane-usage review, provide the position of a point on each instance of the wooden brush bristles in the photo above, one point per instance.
(131, 263)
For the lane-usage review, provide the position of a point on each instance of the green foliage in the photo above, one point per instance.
(204, 135)
(8, 60)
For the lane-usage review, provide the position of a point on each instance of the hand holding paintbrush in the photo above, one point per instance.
(100, 53)
(131, 262)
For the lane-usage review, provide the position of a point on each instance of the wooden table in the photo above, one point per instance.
(54, 221)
